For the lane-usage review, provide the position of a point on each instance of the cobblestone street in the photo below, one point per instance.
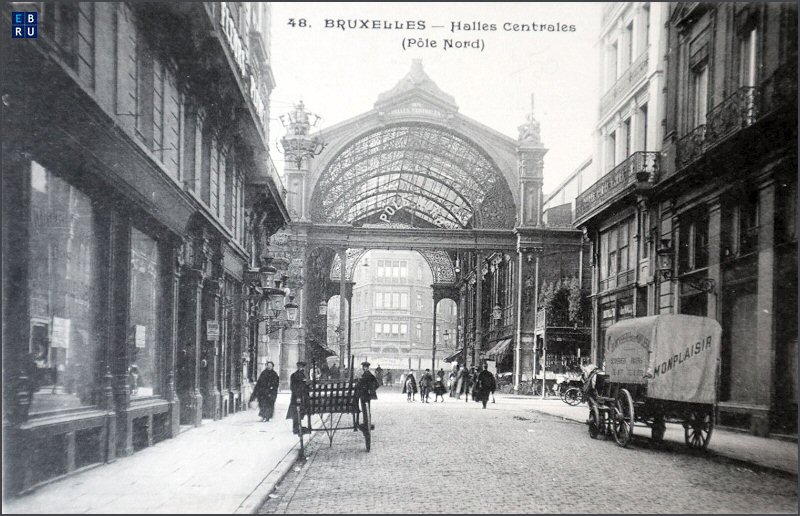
(456, 457)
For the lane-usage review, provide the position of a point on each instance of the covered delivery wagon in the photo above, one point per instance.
(659, 368)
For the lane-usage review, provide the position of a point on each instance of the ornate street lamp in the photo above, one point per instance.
(497, 313)
(291, 309)
(664, 252)
(323, 308)
(298, 144)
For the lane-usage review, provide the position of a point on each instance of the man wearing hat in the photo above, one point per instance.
(299, 388)
(366, 388)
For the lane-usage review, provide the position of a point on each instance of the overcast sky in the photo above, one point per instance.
(339, 74)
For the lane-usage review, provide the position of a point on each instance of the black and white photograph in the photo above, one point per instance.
(399, 258)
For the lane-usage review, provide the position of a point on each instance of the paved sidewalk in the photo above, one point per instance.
(768, 453)
(223, 466)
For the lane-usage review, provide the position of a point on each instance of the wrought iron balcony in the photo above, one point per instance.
(635, 72)
(738, 111)
(641, 168)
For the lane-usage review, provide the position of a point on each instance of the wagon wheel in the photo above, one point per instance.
(697, 429)
(572, 396)
(659, 428)
(623, 418)
(595, 425)
(366, 426)
(300, 433)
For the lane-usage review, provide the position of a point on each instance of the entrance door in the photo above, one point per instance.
(739, 346)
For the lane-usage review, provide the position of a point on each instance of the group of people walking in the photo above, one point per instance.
(479, 382)
(266, 390)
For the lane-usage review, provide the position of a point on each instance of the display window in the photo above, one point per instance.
(63, 295)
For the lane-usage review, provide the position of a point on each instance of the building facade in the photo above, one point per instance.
(703, 221)
(392, 319)
(137, 196)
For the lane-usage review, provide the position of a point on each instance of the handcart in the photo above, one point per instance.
(331, 399)
(659, 369)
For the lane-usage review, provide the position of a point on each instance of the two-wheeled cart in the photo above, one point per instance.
(659, 369)
(329, 400)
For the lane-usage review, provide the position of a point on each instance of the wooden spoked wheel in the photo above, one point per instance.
(573, 396)
(697, 429)
(367, 425)
(659, 428)
(623, 418)
(595, 425)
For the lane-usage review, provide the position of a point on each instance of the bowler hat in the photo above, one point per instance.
(365, 364)
(301, 364)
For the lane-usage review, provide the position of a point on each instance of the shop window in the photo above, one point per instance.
(145, 306)
(63, 279)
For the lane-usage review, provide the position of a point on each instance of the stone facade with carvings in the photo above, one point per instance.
(137, 192)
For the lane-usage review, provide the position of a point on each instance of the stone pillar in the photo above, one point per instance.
(171, 359)
(433, 349)
(344, 357)
(478, 307)
(765, 317)
(714, 256)
(518, 317)
(120, 294)
(530, 164)
(193, 399)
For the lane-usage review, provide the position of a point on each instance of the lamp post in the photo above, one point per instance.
(298, 144)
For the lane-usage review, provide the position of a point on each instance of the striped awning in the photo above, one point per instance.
(454, 356)
(500, 349)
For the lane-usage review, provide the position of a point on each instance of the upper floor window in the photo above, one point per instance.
(611, 151)
(617, 254)
(740, 224)
(628, 44)
(693, 244)
(612, 65)
(748, 53)
(626, 125)
(643, 126)
(699, 94)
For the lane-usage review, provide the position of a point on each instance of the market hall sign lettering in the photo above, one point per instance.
(680, 358)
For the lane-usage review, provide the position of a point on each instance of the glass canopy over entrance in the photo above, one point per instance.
(416, 174)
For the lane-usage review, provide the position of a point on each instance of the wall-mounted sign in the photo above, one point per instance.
(625, 308)
(60, 336)
(140, 336)
(212, 330)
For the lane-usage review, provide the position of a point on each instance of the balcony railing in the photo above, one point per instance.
(625, 82)
(738, 111)
(640, 167)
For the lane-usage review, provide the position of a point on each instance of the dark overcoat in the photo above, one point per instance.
(410, 380)
(299, 388)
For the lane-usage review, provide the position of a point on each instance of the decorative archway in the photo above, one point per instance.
(417, 174)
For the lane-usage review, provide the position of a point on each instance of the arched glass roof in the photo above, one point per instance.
(417, 174)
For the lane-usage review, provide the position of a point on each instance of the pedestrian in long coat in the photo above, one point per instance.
(299, 388)
(463, 382)
(484, 385)
(266, 391)
(389, 378)
(379, 375)
(410, 386)
(425, 385)
(438, 386)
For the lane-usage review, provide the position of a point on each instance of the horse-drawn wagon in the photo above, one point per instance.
(659, 369)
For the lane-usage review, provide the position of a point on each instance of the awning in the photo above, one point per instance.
(324, 351)
(454, 356)
(500, 349)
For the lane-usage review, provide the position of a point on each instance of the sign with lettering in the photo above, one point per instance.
(140, 336)
(212, 330)
(675, 355)
(60, 335)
